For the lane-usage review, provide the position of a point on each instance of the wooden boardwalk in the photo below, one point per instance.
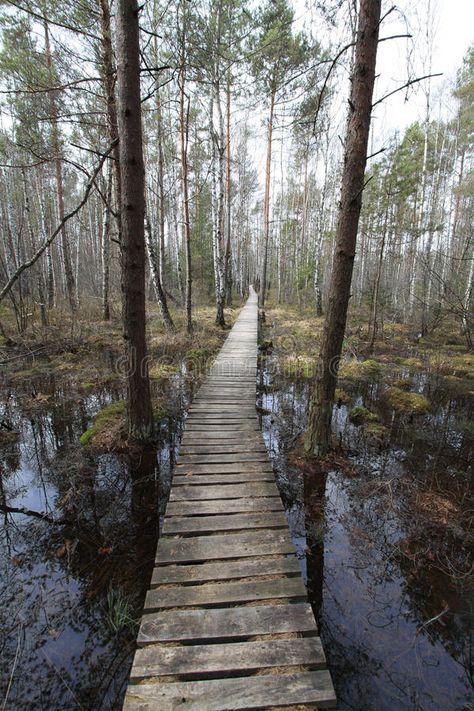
(226, 624)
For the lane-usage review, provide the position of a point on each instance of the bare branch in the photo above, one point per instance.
(405, 86)
(323, 89)
(45, 244)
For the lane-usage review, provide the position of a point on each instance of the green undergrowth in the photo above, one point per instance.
(115, 412)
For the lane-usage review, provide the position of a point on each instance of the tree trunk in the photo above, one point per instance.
(155, 277)
(105, 252)
(266, 201)
(108, 81)
(228, 249)
(373, 325)
(184, 134)
(140, 419)
(318, 437)
(68, 272)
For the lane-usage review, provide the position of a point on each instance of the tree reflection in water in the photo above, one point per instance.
(389, 585)
(59, 581)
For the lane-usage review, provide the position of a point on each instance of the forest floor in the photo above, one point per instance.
(87, 354)
(388, 517)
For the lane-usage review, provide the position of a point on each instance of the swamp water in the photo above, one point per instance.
(71, 592)
(382, 541)
(385, 564)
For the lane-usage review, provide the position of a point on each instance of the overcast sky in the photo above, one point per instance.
(450, 32)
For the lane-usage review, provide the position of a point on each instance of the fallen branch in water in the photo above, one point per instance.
(433, 619)
(34, 514)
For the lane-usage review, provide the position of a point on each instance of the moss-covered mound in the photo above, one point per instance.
(360, 415)
(407, 403)
(111, 415)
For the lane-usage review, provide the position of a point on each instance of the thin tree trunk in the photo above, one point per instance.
(184, 134)
(228, 249)
(373, 326)
(155, 277)
(140, 419)
(318, 437)
(108, 81)
(105, 252)
(266, 200)
(70, 286)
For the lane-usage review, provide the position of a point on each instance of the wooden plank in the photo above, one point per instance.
(217, 435)
(212, 594)
(220, 547)
(223, 468)
(223, 491)
(224, 522)
(206, 447)
(201, 479)
(223, 417)
(191, 660)
(235, 694)
(198, 508)
(225, 570)
(226, 623)
(223, 458)
(197, 425)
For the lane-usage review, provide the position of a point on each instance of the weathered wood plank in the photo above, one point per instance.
(255, 692)
(204, 479)
(197, 425)
(222, 448)
(224, 522)
(198, 508)
(192, 660)
(217, 435)
(223, 468)
(220, 547)
(226, 623)
(223, 458)
(225, 570)
(224, 491)
(211, 594)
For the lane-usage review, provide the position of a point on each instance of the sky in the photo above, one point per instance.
(450, 33)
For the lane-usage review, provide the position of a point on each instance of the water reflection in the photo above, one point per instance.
(389, 583)
(63, 575)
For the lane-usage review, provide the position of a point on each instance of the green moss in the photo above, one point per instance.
(463, 365)
(406, 402)
(198, 353)
(103, 419)
(160, 411)
(360, 415)
(376, 430)
(161, 371)
(402, 383)
(411, 363)
(341, 396)
(360, 370)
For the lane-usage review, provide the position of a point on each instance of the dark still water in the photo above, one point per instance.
(72, 582)
(383, 540)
